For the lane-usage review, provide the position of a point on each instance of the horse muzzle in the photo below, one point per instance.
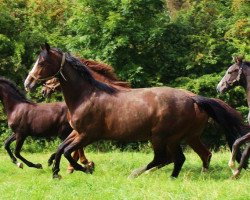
(29, 83)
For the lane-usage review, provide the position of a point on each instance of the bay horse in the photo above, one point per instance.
(99, 71)
(238, 74)
(26, 118)
(165, 116)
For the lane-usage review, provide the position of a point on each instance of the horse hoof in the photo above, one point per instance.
(70, 170)
(85, 162)
(231, 164)
(173, 178)
(50, 163)
(132, 176)
(20, 165)
(89, 170)
(151, 170)
(57, 176)
(137, 172)
(90, 167)
(236, 174)
(38, 166)
(204, 169)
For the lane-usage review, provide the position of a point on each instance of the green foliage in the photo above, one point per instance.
(181, 43)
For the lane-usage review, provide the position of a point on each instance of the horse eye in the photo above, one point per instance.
(235, 70)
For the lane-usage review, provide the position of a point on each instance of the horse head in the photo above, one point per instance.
(235, 75)
(49, 63)
(50, 86)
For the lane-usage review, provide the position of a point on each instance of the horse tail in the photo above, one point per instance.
(226, 116)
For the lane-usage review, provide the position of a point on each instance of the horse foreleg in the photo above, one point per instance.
(51, 159)
(59, 152)
(243, 162)
(7, 147)
(235, 149)
(76, 144)
(70, 168)
(19, 144)
(89, 164)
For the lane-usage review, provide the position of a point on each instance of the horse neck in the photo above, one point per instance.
(9, 100)
(247, 89)
(74, 87)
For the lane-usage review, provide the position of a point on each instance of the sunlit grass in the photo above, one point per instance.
(109, 181)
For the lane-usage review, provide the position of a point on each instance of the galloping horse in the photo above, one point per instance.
(101, 72)
(26, 118)
(163, 115)
(238, 74)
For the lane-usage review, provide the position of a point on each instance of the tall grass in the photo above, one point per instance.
(109, 180)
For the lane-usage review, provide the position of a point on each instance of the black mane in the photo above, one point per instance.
(18, 93)
(85, 73)
(246, 62)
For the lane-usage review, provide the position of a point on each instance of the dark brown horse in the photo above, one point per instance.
(163, 115)
(238, 74)
(101, 72)
(26, 118)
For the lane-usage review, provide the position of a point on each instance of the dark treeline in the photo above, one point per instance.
(178, 43)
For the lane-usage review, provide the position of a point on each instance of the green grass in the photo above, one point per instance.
(109, 181)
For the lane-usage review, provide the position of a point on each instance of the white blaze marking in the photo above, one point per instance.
(26, 82)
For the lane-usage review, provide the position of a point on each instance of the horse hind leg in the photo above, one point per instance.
(75, 145)
(19, 144)
(89, 164)
(79, 154)
(205, 155)
(70, 168)
(161, 158)
(178, 158)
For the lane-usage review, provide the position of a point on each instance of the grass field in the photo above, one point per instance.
(109, 181)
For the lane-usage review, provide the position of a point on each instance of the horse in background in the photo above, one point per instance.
(26, 118)
(165, 116)
(100, 71)
(50, 86)
(238, 74)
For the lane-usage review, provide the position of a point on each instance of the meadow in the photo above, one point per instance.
(109, 180)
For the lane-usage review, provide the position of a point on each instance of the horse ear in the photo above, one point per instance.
(47, 47)
(42, 47)
(238, 59)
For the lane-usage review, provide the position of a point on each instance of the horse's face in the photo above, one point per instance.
(231, 78)
(50, 86)
(46, 67)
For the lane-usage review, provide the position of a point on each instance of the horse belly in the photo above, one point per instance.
(130, 126)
